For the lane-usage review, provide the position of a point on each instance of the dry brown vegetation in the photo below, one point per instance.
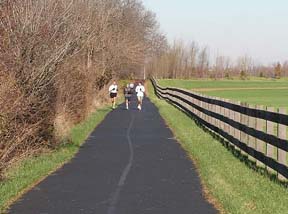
(192, 61)
(55, 58)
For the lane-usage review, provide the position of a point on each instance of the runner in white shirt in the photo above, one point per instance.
(140, 90)
(113, 89)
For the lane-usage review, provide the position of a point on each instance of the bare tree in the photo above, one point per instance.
(55, 57)
(203, 62)
(277, 70)
(244, 66)
(285, 69)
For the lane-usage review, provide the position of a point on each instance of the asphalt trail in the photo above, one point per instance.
(115, 197)
(130, 164)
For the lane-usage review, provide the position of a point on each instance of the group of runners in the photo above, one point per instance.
(128, 92)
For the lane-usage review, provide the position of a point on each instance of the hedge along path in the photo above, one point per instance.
(131, 163)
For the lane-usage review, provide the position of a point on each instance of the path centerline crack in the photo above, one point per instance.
(115, 196)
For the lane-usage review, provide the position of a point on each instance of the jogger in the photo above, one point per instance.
(127, 95)
(113, 89)
(140, 90)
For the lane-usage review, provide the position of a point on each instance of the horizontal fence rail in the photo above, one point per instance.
(260, 133)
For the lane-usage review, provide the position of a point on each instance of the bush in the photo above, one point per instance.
(55, 58)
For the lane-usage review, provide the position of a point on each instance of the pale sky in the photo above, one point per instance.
(258, 28)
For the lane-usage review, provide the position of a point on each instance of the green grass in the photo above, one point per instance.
(259, 83)
(275, 96)
(29, 172)
(237, 188)
(266, 97)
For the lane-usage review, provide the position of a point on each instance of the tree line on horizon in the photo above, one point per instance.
(56, 58)
(183, 61)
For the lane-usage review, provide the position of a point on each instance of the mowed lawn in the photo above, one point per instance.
(258, 92)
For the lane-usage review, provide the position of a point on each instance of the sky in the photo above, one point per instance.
(257, 28)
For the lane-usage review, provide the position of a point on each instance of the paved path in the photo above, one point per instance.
(129, 165)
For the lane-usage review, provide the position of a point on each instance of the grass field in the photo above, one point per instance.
(261, 91)
(22, 177)
(234, 187)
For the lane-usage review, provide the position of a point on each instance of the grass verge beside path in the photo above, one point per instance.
(237, 188)
(33, 170)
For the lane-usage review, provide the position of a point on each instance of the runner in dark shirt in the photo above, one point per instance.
(127, 95)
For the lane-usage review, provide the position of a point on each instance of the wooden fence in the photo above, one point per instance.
(257, 131)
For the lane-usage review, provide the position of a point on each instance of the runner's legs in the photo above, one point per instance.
(140, 99)
(113, 99)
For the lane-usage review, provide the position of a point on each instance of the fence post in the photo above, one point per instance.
(180, 101)
(226, 114)
(270, 148)
(204, 106)
(199, 112)
(260, 145)
(217, 110)
(186, 97)
(195, 102)
(191, 100)
(282, 133)
(209, 107)
(243, 135)
(251, 139)
(198, 104)
(213, 109)
(222, 112)
(237, 117)
(204, 116)
(232, 117)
